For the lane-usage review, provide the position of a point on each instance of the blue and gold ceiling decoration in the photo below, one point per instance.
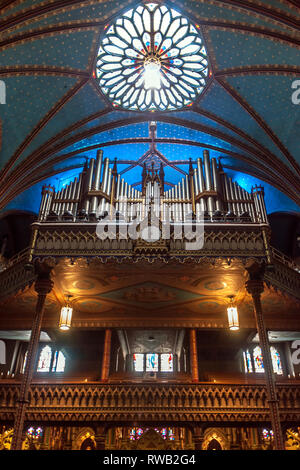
(55, 116)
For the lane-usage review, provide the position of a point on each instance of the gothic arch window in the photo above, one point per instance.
(276, 361)
(253, 360)
(59, 362)
(166, 433)
(45, 360)
(153, 362)
(258, 360)
(152, 58)
(51, 360)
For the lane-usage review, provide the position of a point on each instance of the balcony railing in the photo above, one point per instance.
(150, 402)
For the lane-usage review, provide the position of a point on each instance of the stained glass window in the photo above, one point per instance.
(151, 362)
(152, 58)
(48, 358)
(59, 362)
(138, 361)
(166, 433)
(45, 359)
(136, 433)
(247, 361)
(267, 434)
(276, 361)
(34, 432)
(258, 360)
(166, 362)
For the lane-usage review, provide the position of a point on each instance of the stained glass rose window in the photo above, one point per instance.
(152, 58)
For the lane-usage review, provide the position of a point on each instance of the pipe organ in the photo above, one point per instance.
(204, 193)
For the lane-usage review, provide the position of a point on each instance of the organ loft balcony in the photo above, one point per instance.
(149, 275)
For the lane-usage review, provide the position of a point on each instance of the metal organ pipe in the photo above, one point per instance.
(69, 196)
(56, 205)
(176, 205)
(200, 175)
(196, 186)
(98, 169)
(73, 195)
(216, 183)
(227, 193)
(208, 179)
(105, 175)
(236, 196)
(181, 204)
(231, 194)
(96, 182)
(63, 197)
(42, 211)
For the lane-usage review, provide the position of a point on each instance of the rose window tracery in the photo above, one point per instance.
(152, 58)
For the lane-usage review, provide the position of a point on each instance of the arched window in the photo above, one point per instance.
(59, 362)
(152, 362)
(276, 361)
(247, 361)
(255, 359)
(45, 359)
(51, 360)
(166, 362)
(138, 361)
(258, 360)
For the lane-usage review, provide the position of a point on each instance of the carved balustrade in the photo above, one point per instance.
(150, 402)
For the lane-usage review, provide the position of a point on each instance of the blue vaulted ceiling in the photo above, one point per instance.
(55, 117)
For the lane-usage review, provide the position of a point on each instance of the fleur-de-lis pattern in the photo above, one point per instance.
(158, 33)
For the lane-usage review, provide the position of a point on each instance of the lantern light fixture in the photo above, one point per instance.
(233, 317)
(66, 316)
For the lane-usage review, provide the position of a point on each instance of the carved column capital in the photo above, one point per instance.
(43, 286)
(255, 287)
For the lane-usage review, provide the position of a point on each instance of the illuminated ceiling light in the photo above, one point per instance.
(66, 317)
(152, 74)
(233, 317)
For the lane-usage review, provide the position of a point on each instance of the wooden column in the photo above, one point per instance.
(106, 356)
(43, 286)
(255, 287)
(198, 438)
(100, 438)
(194, 356)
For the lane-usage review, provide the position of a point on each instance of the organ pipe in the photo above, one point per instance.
(205, 188)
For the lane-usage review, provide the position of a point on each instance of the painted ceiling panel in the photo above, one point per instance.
(69, 50)
(274, 104)
(84, 103)
(218, 101)
(93, 11)
(29, 99)
(243, 50)
(202, 9)
(17, 7)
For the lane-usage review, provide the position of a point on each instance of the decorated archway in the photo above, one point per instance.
(215, 439)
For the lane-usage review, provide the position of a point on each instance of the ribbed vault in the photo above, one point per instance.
(55, 115)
